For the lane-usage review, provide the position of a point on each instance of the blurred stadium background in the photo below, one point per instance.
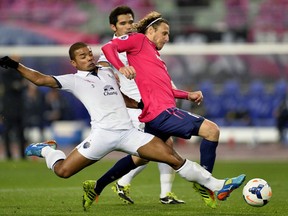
(235, 51)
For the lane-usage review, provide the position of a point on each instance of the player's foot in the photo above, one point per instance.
(229, 185)
(207, 195)
(171, 198)
(35, 149)
(123, 192)
(89, 195)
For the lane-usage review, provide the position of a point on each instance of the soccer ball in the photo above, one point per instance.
(257, 192)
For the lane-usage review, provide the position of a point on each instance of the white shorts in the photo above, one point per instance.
(134, 113)
(101, 142)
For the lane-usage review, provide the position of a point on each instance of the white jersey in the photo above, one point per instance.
(100, 96)
(128, 87)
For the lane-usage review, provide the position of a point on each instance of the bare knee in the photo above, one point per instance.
(209, 130)
(62, 171)
(215, 132)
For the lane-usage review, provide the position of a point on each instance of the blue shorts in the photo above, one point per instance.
(174, 122)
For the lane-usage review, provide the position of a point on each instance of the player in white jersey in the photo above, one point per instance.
(111, 129)
(121, 19)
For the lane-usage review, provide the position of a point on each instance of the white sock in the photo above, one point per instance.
(126, 179)
(193, 172)
(167, 175)
(52, 156)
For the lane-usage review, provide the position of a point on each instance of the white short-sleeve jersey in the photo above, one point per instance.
(129, 88)
(100, 95)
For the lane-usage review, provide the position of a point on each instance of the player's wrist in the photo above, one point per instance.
(7, 62)
(140, 105)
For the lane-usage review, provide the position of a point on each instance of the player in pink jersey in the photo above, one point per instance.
(121, 21)
(161, 116)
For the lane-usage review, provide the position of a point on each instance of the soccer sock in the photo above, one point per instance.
(193, 172)
(126, 179)
(167, 175)
(208, 154)
(52, 156)
(122, 167)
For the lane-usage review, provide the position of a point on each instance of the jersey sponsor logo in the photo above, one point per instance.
(109, 90)
(124, 37)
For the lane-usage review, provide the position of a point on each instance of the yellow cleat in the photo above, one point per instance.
(123, 193)
(207, 195)
(89, 195)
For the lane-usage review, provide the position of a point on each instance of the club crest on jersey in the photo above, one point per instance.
(86, 145)
(124, 37)
(109, 90)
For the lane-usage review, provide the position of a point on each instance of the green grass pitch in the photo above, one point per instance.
(29, 188)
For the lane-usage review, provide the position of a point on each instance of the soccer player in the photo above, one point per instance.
(121, 19)
(111, 128)
(161, 116)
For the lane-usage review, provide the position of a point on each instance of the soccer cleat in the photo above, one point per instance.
(207, 195)
(229, 185)
(123, 193)
(89, 195)
(171, 198)
(35, 149)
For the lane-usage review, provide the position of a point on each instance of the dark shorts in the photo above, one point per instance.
(174, 122)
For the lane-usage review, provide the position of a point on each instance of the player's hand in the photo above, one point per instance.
(140, 105)
(7, 62)
(128, 71)
(195, 96)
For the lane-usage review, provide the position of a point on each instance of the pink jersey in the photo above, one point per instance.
(152, 78)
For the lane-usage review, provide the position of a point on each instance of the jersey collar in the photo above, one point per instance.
(83, 73)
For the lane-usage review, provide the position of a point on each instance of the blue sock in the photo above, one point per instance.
(208, 154)
(122, 167)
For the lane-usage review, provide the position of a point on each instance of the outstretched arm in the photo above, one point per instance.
(34, 76)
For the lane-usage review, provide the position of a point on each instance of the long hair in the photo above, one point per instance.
(153, 19)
